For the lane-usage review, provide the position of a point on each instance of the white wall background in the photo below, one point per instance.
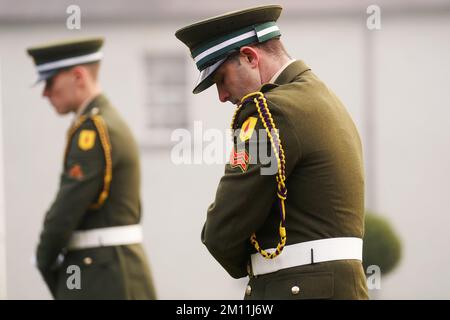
(412, 149)
(3, 278)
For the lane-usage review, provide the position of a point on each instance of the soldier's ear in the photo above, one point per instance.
(250, 56)
(80, 73)
(77, 72)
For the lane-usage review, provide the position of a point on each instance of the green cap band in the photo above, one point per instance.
(210, 52)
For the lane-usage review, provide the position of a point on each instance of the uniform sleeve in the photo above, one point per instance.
(80, 184)
(245, 195)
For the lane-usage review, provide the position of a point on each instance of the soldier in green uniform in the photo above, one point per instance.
(93, 224)
(297, 232)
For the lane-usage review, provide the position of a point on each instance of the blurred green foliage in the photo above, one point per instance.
(382, 246)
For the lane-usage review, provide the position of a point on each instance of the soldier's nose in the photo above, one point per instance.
(223, 95)
(45, 92)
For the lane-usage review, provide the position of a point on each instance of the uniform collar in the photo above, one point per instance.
(287, 75)
(88, 105)
(291, 71)
(275, 76)
(95, 102)
(83, 107)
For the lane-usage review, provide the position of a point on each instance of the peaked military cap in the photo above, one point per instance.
(212, 40)
(52, 57)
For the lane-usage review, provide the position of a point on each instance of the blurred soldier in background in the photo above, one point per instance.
(94, 221)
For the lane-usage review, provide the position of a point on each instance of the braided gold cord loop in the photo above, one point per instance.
(104, 139)
(267, 120)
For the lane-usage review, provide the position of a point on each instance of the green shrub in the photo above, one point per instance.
(382, 246)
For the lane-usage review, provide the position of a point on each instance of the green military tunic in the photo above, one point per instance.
(99, 188)
(325, 192)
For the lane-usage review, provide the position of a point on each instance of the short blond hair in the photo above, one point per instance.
(274, 47)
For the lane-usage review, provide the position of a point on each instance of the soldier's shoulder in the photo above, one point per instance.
(86, 121)
(87, 132)
(261, 102)
(279, 95)
(111, 118)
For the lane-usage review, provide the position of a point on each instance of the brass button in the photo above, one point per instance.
(249, 269)
(95, 111)
(248, 291)
(295, 290)
(87, 261)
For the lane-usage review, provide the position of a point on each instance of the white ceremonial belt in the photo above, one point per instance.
(103, 237)
(309, 252)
